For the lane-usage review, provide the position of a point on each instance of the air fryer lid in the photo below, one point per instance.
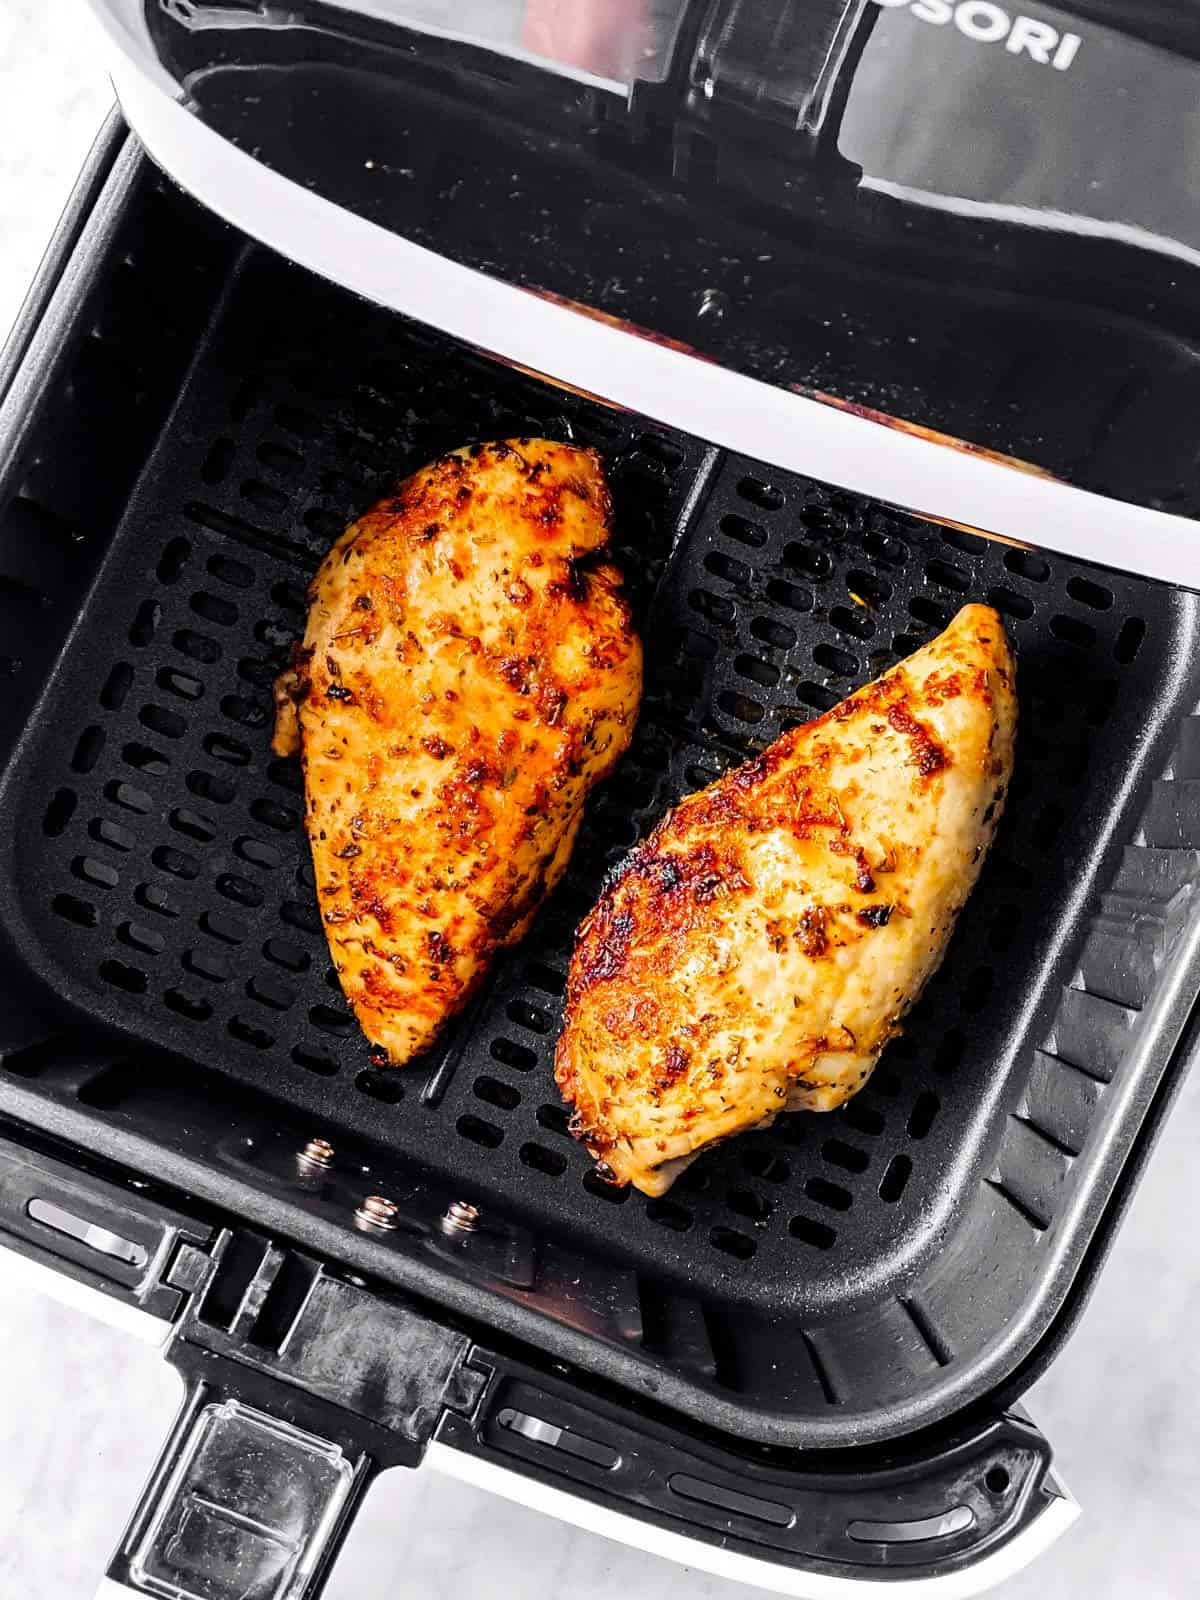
(1014, 267)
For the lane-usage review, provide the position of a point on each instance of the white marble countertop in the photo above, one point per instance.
(83, 1410)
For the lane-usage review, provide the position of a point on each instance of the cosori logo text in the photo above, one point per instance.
(991, 24)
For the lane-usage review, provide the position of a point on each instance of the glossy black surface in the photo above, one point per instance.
(979, 220)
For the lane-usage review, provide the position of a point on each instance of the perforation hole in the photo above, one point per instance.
(846, 1156)
(828, 1194)
(273, 815)
(744, 531)
(805, 558)
(205, 786)
(383, 1086)
(59, 812)
(89, 870)
(145, 623)
(509, 1054)
(72, 909)
(246, 713)
(119, 975)
(669, 1214)
(167, 724)
(495, 1093)
(214, 608)
(948, 576)
(263, 496)
(1025, 564)
(869, 587)
(197, 646)
(208, 964)
(241, 891)
(291, 596)
(1129, 640)
(129, 797)
(740, 706)
(776, 634)
(112, 834)
(223, 748)
(892, 1184)
(155, 897)
(931, 612)
(192, 825)
(529, 1016)
(223, 927)
(179, 863)
(603, 1190)
(261, 674)
(732, 1243)
(183, 684)
(554, 1119)
(1009, 603)
(175, 557)
(726, 568)
(1073, 631)
(314, 1061)
(921, 1117)
(760, 672)
(251, 1033)
(328, 1020)
(713, 606)
(186, 1004)
(817, 696)
(545, 978)
(141, 938)
(1089, 593)
(788, 594)
(550, 1162)
(856, 622)
(840, 662)
(760, 494)
(748, 1204)
(766, 1164)
(116, 686)
(296, 915)
(480, 1132)
(271, 993)
(809, 1231)
(279, 458)
(863, 1118)
(88, 749)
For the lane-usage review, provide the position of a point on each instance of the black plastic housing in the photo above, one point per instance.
(192, 421)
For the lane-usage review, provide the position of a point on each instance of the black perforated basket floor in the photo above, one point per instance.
(160, 879)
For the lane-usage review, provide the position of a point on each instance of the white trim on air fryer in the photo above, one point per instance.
(787, 430)
(992, 1569)
(56, 1285)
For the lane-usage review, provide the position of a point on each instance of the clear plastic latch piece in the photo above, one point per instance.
(246, 1510)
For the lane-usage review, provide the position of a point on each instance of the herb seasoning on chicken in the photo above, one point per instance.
(756, 953)
(469, 672)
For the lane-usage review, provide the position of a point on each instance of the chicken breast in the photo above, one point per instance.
(756, 953)
(469, 672)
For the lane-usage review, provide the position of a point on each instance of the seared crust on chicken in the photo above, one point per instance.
(756, 953)
(468, 673)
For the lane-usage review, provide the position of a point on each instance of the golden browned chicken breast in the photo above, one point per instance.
(468, 673)
(757, 951)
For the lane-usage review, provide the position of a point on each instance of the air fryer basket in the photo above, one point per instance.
(834, 1280)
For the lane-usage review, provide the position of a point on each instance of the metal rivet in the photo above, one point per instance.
(376, 1211)
(316, 1153)
(461, 1217)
